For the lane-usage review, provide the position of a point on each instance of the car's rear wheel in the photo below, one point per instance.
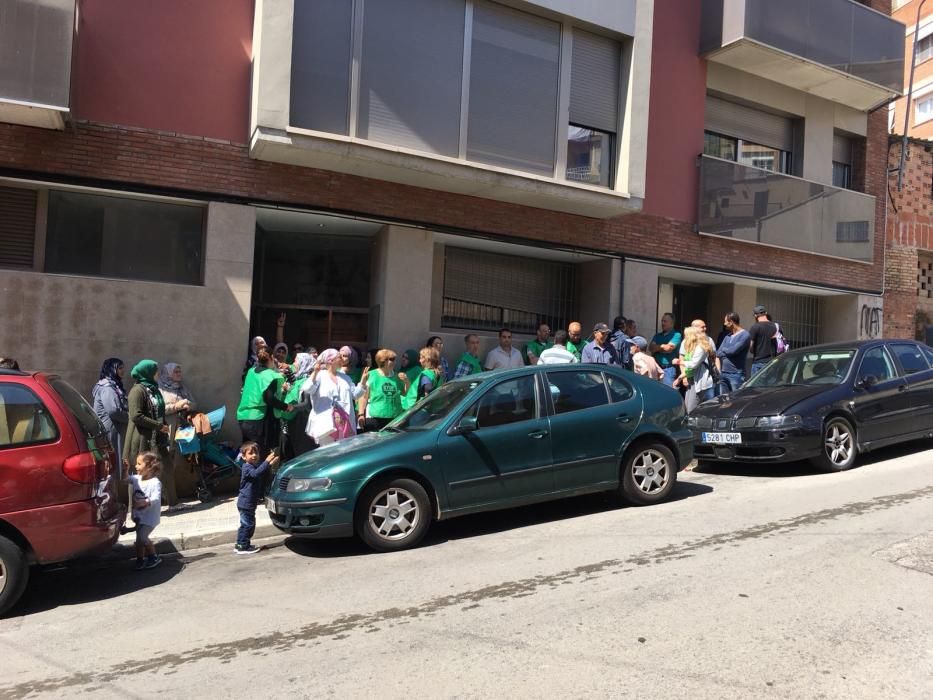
(393, 514)
(839, 448)
(14, 574)
(648, 473)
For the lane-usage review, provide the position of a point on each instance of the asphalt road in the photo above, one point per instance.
(753, 582)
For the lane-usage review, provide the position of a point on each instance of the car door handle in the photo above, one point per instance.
(902, 387)
(537, 434)
(624, 418)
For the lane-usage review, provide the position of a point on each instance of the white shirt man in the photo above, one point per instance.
(558, 354)
(504, 356)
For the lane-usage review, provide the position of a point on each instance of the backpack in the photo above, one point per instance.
(780, 342)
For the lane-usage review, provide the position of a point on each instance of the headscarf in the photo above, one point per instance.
(413, 367)
(145, 374)
(329, 355)
(109, 377)
(252, 356)
(168, 384)
(280, 345)
(305, 365)
(346, 349)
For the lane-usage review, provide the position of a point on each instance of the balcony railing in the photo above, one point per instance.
(843, 36)
(35, 60)
(760, 206)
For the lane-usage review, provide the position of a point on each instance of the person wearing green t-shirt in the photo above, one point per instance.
(575, 340)
(382, 401)
(535, 347)
(261, 392)
(469, 361)
(431, 375)
(411, 368)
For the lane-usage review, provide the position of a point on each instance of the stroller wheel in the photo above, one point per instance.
(204, 495)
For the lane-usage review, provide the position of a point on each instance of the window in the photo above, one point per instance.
(24, 420)
(594, 108)
(514, 77)
(320, 81)
(486, 291)
(842, 175)
(924, 49)
(924, 110)
(411, 74)
(842, 161)
(910, 357)
(852, 232)
(748, 135)
(619, 390)
(877, 364)
(125, 238)
(927, 353)
(720, 146)
(510, 401)
(746, 153)
(17, 227)
(575, 391)
(79, 408)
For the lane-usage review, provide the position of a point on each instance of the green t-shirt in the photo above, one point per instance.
(252, 405)
(472, 362)
(411, 396)
(385, 395)
(536, 347)
(292, 396)
(576, 348)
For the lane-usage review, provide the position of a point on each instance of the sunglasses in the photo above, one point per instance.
(390, 359)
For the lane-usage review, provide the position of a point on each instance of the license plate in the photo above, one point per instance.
(722, 438)
(270, 506)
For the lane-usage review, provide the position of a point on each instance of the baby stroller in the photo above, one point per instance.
(211, 460)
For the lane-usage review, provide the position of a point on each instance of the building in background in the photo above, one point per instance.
(387, 171)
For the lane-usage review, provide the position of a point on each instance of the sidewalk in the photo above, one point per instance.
(199, 525)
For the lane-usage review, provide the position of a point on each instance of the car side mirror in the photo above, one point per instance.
(868, 381)
(467, 424)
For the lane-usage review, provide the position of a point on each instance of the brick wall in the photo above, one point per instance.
(222, 169)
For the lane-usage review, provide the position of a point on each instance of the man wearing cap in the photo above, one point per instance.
(666, 346)
(599, 350)
(644, 364)
(761, 336)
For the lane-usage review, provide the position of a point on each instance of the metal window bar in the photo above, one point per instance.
(797, 314)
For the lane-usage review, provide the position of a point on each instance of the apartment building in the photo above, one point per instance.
(174, 176)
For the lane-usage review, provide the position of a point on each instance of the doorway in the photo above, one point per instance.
(690, 301)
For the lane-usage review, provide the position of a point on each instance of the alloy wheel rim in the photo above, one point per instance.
(3, 576)
(838, 444)
(394, 514)
(651, 471)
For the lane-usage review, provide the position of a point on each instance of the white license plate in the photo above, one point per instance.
(270, 506)
(722, 438)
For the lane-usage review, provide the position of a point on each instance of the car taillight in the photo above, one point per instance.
(81, 468)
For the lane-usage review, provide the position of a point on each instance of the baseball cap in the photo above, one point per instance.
(640, 342)
(601, 327)
(759, 310)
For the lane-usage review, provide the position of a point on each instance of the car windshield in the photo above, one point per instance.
(435, 407)
(805, 368)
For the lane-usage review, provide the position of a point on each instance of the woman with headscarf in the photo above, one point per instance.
(148, 431)
(261, 394)
(411, 368)
(330, 394)
(351, 365)
(292, 439)
(110, 405)
(178, 400)
(256, 344)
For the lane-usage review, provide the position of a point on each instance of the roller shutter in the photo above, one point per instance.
(749, 124)
(17, 227)
(594, 81)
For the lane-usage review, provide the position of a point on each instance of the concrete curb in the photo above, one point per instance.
(183, 543)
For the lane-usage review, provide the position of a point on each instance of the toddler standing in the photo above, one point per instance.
(252, 486)
(146, 495)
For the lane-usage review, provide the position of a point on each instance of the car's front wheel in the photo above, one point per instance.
(393, 514)
(14, 573)
(648, 473)
(839, 448)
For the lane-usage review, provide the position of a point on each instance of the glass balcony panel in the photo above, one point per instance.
(35, 51)
(759, 206)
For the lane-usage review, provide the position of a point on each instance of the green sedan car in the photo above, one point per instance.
(490, 441)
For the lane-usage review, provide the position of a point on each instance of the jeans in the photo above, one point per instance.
(756, 366)
(670, 374)
(247, 526)
(731, 381)
(694, 398)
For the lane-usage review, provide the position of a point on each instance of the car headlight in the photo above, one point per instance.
(778, 421)
(299, 485)
(699, 422)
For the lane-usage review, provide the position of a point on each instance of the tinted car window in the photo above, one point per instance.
(510, 401)
(79, 408)
(24, 419)
(619, 390)
(575, 391)
(928, 353)
(814, 367)
(876, 363)
(910, 357)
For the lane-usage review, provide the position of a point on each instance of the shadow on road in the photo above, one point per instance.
(492, 522)
(795, 469)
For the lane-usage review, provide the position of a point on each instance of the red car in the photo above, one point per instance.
(58, 479)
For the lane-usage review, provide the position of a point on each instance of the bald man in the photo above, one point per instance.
(575, 340)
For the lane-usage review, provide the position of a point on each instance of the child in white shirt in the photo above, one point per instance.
(146, 496)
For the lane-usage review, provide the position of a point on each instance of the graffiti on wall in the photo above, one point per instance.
(869, 321)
